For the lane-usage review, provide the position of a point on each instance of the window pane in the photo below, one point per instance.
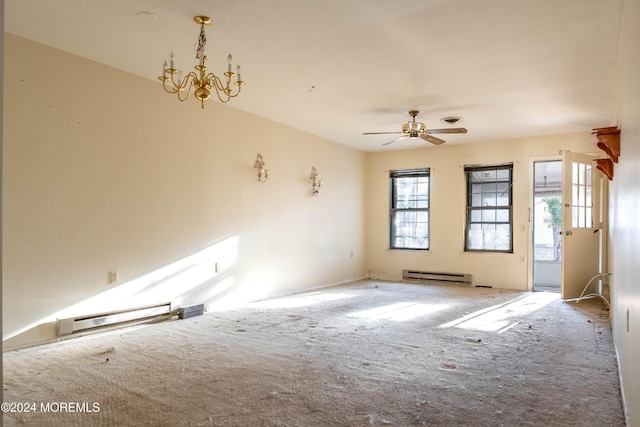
(503, 174)
(489, 215)
(503, 237)
(502, 187)
(489, 199)
(474, 238)
(490, 237)
(489, 175)
(502, 215)
(411, 229)
(503, 200)
(490, 188)
(411, 192)
(581, 195)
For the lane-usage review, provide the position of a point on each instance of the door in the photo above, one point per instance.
(581, 223)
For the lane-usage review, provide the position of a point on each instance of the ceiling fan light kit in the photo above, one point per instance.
(414, 130)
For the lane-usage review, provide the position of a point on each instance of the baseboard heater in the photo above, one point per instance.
(437, 278)
(91, 323)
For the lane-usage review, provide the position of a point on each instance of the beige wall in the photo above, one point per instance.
(104, 171)
(447, 213)
(623, 213)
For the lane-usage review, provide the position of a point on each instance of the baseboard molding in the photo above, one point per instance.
(622, 396)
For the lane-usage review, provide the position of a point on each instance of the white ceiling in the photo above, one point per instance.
(337, 68)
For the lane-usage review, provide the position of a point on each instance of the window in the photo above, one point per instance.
(489, 208)
(410, 209)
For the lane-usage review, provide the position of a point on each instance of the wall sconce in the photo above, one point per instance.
(315, 182)
(263, 173)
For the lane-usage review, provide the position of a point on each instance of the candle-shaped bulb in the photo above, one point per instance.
(238, 73)
(229, 60)
(164, 69)
(171, 60)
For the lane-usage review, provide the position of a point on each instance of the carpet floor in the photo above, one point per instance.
(368, 353)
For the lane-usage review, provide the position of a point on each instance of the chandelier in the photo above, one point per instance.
(199, 81)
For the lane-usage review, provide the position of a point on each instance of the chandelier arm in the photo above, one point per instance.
(216, 83)
(172, 91)
(186, 92)
(239, 84)
(183, 83)
(228, 92)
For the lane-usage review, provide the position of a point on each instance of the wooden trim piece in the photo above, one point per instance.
(608, 140)
(606, 167)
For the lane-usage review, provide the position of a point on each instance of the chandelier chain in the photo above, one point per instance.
(202, 42)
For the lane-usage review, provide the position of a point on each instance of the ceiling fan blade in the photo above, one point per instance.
(449, 130)
(396, 140)
(380, 133)
(432, 139)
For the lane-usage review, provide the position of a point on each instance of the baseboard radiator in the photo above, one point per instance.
(437, 278)
(113, 319)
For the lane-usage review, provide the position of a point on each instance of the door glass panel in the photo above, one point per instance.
(581, 190)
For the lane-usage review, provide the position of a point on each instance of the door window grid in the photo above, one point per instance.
(410, 209)
(581, 192)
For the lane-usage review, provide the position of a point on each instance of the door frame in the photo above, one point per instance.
(604, 216)
(532, 161)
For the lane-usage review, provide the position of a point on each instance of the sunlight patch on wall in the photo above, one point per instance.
(170, 283)
(502, 317)
(400, 311)
(164, 284)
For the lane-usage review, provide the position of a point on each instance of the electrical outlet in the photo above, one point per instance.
(113, 277)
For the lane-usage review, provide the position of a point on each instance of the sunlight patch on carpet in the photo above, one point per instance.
(300, 300)
(502, 317)
(400, 311)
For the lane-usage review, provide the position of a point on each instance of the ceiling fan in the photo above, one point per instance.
(413, 129)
